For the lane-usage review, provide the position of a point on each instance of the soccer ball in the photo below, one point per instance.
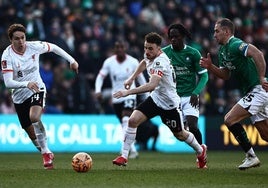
(82, 162)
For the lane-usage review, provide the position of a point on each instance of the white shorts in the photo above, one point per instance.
(256, 103)
(187, 109)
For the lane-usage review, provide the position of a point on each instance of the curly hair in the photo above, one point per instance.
(154, 37)
(183, 31)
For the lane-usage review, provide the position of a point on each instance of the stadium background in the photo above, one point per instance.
(87, 29)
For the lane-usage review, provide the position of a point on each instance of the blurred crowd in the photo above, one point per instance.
(87, 30)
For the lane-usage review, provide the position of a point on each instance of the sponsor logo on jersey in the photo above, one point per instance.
(156, 72)
(229, 65)
(19, 74)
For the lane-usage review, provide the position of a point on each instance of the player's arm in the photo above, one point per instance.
(136, 73)
(259, 60)
(260, 63)
(59, 51)
(148, 87)
(206, 62)
(98, 84)
(202, 81)
(10, 83)
(104, 71)
(203, 78)
(141, 81)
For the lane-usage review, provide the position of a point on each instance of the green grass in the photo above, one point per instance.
(150, 170)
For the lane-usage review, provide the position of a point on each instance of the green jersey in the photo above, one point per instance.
(186, 66)
(233, 56)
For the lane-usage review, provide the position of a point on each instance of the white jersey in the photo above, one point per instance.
(25, 68)
(119, 72)
(165, 94)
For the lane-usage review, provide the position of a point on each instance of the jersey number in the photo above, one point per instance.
(35, 97)
(171, 123)
(248, 98)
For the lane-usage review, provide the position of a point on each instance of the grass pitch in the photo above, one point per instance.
(150, 170)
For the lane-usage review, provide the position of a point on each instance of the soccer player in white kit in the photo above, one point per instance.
(20, 68)
(119, 66)
(163, 100)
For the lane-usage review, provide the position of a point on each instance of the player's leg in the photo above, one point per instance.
(133, 150)
(190, 115)
(123, 111)
(30, 131)
(23, 115)
(262, 127)
(192, 122)
(173, 119)
(128, 106)
(260, 120)
(36, 110)
(40, 132)
(231, 120)
(141, 114)
(123, 118)
(136, 118)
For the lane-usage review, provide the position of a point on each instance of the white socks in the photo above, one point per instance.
(41, 137)
(35, 142)
(124, 127)
(191, 141)
(130, 136)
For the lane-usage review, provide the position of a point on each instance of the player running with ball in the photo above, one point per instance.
(163, 100)
(20, 68)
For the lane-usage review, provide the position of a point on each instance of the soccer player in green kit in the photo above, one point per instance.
(248, 65)
(185, 61)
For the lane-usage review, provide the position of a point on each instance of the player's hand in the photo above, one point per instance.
(33, 86)
(120, 94)
(74, 66)
(128, 83)
(264, 84)
(194, 101)
(98, 97)
(205, 62)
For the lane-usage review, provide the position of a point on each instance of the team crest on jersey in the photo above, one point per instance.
(4, 64)
(157, 65)
(33, 57)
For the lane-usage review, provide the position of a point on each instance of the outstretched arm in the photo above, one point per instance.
(59, 51)
(150, 86)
